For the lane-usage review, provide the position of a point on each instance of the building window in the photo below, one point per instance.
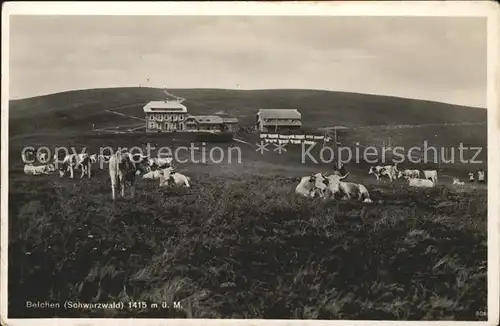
(151, 117)
(152, 125)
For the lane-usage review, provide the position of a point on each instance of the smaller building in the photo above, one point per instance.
(165, 116)
(213, 123)
(274, 120)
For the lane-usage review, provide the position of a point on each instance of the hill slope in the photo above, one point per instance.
(76, 111)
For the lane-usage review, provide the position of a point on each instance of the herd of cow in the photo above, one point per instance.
(124, 167)
(332, 186)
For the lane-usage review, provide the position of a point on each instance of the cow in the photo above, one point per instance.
(123, 168)
(457, 182)
(74, 162)
(312, 185)
(160, 163)
(153, 175)
(409, 174)
(480, 176)
(93, 158)
(388, 170)
(169, 176)
(431, 175)
(347, 190)
(471, 177)
(421, 183)
(30, 169)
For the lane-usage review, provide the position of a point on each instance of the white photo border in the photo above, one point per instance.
(487, 9)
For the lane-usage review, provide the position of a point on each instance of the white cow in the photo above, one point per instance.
(480, 176)
(74, 162)
(390, 171)
(93, 158)
(409, 174)
(311, 185)
(457, 182)
(30, 169)
(431, 175)
(123, 168)
(153, 175)
(348, 190)
(168, 176)
(160, 162)
(420, 183)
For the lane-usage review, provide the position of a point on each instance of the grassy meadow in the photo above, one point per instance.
(240, 243)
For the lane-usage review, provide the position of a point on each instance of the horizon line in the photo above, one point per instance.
(246, 89)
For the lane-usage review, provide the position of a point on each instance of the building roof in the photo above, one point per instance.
(279, 114)
(165, 106)
(230, 120)
(273, 123)
(208, 119)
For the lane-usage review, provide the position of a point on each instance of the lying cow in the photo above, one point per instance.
(312, 185)
(431, 175)
(169, 177)
(30, 169)
(347, 190)
(457, 182)
(153, 175)
(421, 183)
(160, 163)
(123, 168)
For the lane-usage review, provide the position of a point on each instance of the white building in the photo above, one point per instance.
(165, 116)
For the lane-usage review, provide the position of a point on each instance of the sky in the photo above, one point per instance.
(432, 58)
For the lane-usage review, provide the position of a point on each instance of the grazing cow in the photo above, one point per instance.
(409, 174)
(457, 182)
(431, 175)
(480, 176)
(30, 169)
(347, 190)
(74, 162)
(421, 183)
(123, 168)
(471, 177)
(168, 176)
(160, 163)
(388, 170)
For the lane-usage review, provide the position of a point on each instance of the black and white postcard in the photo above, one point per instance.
(252, 162)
